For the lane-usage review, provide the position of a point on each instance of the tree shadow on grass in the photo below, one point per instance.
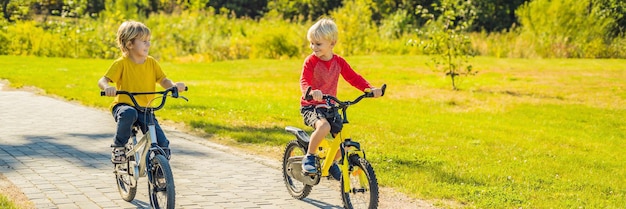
(274, 135)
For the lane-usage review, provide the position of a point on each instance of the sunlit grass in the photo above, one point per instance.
(521, 134)
(6, 203)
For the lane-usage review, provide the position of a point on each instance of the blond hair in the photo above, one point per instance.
(324, 28)
(128, 32)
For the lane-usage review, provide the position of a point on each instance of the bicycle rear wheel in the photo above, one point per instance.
(161, 186)
(125, 179)
(296, 188)
(363, 185)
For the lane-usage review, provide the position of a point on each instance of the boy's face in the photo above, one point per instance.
(322, 48)
(140, 47)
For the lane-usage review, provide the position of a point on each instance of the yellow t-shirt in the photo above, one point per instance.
(133, 77)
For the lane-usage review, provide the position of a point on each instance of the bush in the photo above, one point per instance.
(557, 28)
(566, 29)
(357, 35)
(282, 40)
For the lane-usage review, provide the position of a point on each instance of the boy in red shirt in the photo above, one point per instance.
(321, 72)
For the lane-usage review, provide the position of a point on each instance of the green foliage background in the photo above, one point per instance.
(196, 31)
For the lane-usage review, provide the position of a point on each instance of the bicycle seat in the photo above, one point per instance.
(300, 134)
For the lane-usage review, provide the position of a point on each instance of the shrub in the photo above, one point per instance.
(357, 35)
(277, 39)
(563, 28)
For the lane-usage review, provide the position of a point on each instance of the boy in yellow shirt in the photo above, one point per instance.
(135, 71)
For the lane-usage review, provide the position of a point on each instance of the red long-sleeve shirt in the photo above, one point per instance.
(324, 76)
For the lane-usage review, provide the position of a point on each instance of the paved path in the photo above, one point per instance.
(58, 153)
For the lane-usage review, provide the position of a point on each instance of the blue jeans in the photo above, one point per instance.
(125, 116)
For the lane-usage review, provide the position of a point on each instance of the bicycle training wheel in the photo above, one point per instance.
(363, 185)
(126, 182)
(161, 187)
(296, 188)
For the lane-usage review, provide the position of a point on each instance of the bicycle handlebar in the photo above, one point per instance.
(343, 105)
(173, 89)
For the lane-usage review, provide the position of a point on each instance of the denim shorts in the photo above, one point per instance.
(312, 115)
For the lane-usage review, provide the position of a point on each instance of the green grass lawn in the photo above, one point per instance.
(521, 134)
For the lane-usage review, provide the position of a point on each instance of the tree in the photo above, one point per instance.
(496, 15)
(15, 10)
(241, 8)
(304, 10)
(445, 37)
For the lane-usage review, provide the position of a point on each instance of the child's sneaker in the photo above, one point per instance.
(118, 155)
(335, 172)
(308, 164)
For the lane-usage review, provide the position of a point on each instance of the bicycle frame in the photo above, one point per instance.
(141, 150)
(348, 148)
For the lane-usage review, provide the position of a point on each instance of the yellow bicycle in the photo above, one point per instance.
(146, 158)
(359, 186)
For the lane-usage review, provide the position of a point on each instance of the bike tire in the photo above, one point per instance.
(126, 182)
(296, 188)
(362, 194)
(161, 187)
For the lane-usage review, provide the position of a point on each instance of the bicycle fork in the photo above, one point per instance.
(351, 148)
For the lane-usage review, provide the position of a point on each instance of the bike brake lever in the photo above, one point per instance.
(183, 97)
(384, 87)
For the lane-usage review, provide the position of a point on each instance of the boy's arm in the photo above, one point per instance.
(353, 78)
(307, 76)
(357, 80)
(103, 83)
(167, 83)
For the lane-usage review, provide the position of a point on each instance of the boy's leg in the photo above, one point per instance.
(322, 128)
(162, 139)
(316, 118)
(125, 116)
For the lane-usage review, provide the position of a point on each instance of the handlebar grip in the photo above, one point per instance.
(101, 93)
(371, 94)
(306, 95)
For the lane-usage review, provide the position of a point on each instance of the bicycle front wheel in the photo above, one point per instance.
(126, 182)
(161, 186)
(363, 185)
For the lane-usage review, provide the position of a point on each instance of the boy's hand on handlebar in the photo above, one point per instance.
(376, 91)
(317, 95)
(110, 91)
(181, 86)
